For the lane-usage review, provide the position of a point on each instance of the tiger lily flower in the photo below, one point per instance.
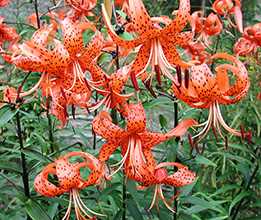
(250, 41)
(197, 51)
(244, 46)
(182, 177)
(206, 90)
(66, 64)
(253, 33)
(230, 7)
(206, 27)
(82, 7)
(7, 34)
(135, 140)
(70, 180)
(157, 46)
(112, 89)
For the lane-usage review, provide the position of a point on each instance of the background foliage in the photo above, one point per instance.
(228, 181)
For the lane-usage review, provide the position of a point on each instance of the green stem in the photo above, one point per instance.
(23, 159)
(50, 128)
(93, 133)
(176, 122)
(249, 183)
(124, 198)
(37, 14)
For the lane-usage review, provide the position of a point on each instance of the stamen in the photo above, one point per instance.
(29, 92)
(89, 210)
(223, 123)
(74, 77)
(98, 105)
(204, 131)
(164, 200)
(68, 211)
(154, 197)
(121, 163)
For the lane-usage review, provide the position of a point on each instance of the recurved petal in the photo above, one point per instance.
(150, 139)
(58, 109)
(180, 178)
(59, 58)
(172, 55)
(107, 150)
(73, 40)
(136, 118)
(130, 44)
(242, 81)
(140, 17)
(181, 19)
(93, 48)
(68, 174)
(43, 35)
(43, 186)
(103, 126)
(142, 60)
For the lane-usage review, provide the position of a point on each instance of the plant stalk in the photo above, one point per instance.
(50, 126)
(176, 122)
(23, 159)
(235, 212)
(37, 14)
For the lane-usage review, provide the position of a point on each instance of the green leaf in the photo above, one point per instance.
(35, 211)
(203, 160)
(52, 210)
(33, 154)
(9, 166)
(237, 199)
(6, 114)
(133, 209)
(163, 121)
(220, 218)
(225, 189)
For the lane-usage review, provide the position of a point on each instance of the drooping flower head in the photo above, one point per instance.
(7, 34)
(111, 91)
(250, 41)
(157, 44)
(205, 27)
(135, 140)
(197, 51)
(160, 176)
(82, 7)
(230, 7)
(63, 64)
(206, 90)
(69, 180)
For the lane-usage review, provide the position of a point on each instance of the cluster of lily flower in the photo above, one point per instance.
(64, 64)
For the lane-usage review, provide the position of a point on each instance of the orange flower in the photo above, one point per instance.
(157, 45)
(7, 34)
(182, 177)
(209, 26)
(4, 3)
(244, 46)
(197, 51)
(230, 7)
(82, 7)
(112, 87)
(64, 66)
(206, 90)
(136, 141)
(250, 41)
(70, 180)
